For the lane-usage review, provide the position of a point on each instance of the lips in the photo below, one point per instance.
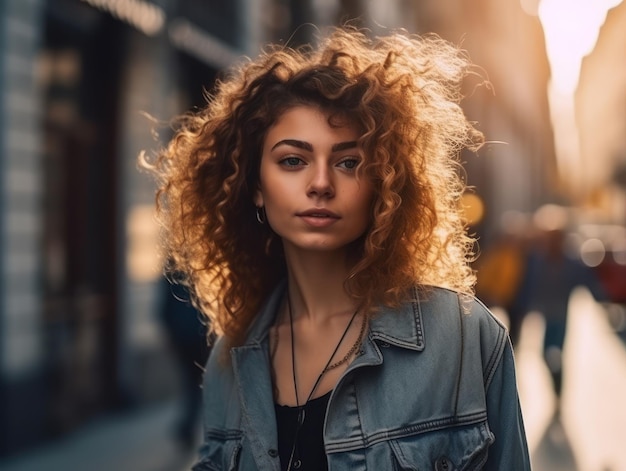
(319, 218)
(319, 213)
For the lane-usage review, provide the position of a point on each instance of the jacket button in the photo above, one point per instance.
(272, 452)
(443, 464)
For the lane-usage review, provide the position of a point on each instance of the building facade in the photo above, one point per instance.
(78, 243)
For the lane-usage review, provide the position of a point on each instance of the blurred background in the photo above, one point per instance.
(91, 372)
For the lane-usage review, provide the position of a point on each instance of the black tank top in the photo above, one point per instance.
(309, 453)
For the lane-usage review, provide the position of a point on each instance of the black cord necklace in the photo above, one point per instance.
(302, 408)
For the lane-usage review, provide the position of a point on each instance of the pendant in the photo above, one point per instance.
(301, 416)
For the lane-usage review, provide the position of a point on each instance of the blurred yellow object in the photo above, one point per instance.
(500, 271)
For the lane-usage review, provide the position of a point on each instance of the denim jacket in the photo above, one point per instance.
(433, 387)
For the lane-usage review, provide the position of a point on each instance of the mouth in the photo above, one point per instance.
(319, 213)
(319, 218)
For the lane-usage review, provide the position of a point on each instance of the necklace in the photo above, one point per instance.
(329, 366)
(354, 347)
(348, 355)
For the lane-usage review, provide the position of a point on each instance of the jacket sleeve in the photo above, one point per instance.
(510, 450)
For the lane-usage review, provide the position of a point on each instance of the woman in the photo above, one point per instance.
(314, 206)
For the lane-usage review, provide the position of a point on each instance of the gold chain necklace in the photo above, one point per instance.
(348, 355)
(354, 347)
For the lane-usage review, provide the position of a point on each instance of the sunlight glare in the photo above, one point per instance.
(571, 28)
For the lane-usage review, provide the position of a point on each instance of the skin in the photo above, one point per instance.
(316, 201)
(312, 196)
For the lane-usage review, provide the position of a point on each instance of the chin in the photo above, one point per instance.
(324, 245)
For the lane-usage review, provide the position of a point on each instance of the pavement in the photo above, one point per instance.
(139, 441)
(586, 429)
(589, 433)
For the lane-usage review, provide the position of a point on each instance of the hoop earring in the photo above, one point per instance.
(260, 215)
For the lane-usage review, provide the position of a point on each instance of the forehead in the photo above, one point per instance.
(312, 124)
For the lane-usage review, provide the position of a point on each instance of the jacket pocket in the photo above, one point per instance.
(220, 451)
(459, 448)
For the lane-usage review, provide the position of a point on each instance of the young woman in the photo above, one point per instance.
(314, 206)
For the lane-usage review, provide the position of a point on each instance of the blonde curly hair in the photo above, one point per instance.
(403, 93)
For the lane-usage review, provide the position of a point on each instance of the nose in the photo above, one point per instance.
(321, 182)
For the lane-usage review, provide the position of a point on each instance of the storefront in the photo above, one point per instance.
(79, 334)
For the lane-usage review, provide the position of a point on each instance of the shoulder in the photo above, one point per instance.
(460, 320)
(218, 366)
(451, 308)
(218, 375)
(437, 315)
(219, 389)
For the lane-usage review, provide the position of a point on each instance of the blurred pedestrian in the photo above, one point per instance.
(187, 333)
(314, 206)
(551, 275)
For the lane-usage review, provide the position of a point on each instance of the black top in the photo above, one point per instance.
(309, 451)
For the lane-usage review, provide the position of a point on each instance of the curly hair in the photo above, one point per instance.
(403, 93)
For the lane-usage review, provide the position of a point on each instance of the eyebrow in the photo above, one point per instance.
(308, 147)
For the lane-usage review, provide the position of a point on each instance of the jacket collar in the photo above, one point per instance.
(261, 325)
(402, 326)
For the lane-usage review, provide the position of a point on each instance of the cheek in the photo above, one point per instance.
(275, 201)
(272, 193)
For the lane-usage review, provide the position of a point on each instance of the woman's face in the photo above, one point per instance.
(309, 187)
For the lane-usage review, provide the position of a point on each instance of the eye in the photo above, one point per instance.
(292, 161)
(349, 163)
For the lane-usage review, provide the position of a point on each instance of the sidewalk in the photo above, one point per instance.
(589, 433)
(140, 441)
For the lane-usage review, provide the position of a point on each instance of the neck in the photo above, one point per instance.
(316, 285)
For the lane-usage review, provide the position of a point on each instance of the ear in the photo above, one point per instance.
(258, 198)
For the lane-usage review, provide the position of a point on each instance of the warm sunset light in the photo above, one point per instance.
(571, 29)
